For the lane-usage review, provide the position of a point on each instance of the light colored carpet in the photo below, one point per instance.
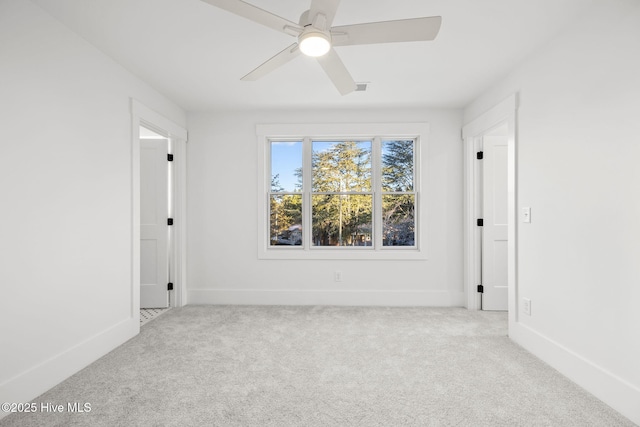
(322, 366)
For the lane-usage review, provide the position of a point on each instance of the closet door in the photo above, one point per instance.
(494, 230)
(154, 229)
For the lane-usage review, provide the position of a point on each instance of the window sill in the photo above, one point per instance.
(391, 254)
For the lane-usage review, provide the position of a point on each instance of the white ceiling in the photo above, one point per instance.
(195, 53)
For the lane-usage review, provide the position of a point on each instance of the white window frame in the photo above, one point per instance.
(339, 131)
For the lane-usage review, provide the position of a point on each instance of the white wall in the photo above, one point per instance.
(223, 262)
(65, 180)
(578, 169)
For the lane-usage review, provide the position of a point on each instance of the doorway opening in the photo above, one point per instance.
(158, 212)
(490, 209)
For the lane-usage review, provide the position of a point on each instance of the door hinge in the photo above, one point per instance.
(169, 286)
(480, 155)
(170, 157)
(480, 222)
(481, 289)
(169, 221)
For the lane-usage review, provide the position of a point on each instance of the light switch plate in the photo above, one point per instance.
(526, 214)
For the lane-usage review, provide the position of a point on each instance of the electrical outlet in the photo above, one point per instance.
(337, 276)
(526, 306)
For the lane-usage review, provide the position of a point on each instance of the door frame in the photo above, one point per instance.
(504, 112)
(141, 115)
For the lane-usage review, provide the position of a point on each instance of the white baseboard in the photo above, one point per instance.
(30, 384)
(621, 395)
(318, 297)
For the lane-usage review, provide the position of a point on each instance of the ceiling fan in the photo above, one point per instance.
(316, 37)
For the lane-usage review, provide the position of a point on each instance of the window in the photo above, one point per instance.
(334, 193)
(398, 195)
(341, 193)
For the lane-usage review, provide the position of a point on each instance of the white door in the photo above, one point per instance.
(154, 231)
(495, 218)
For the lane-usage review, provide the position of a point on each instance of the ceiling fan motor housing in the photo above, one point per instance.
(304, 19)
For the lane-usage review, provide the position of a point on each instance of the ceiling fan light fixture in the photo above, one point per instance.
(314, 43)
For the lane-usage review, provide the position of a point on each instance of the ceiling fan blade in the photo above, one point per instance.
(326, 7)
(337, 72)
(276, 61)
(403, 30)
(253, 13)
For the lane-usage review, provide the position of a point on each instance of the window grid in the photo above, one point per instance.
(271, 194)
(414, 183)
(377, 193)
(350, 190)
